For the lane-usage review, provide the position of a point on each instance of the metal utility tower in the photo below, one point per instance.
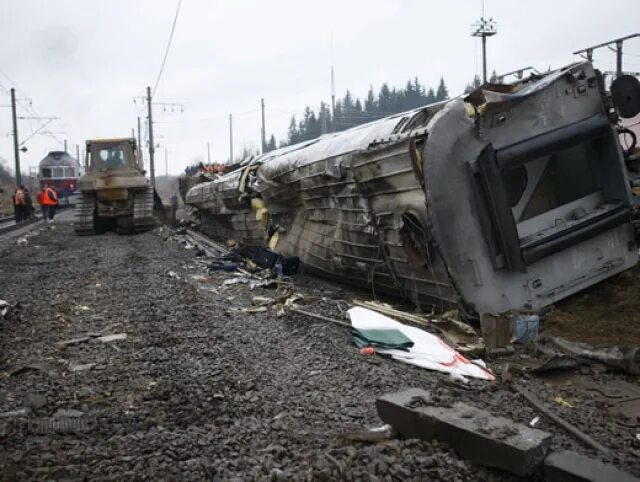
(230, 138)
(484, 28)
(140, 150)
(16, 144)
(618, 50)
(263, 132)
(152, 149)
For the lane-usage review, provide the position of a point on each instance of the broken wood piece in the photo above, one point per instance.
(73, 341)
(114, 337)
(320, 317)
(392, 312)
(374, 435)
(583, 437)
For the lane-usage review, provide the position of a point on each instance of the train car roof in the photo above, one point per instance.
(59, 158)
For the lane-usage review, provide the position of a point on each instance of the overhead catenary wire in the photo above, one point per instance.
(27, 105)
(166, 52)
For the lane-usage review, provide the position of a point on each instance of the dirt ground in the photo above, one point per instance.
(197, 391)
(604, 315)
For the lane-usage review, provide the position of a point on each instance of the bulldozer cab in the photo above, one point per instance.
(113, 154)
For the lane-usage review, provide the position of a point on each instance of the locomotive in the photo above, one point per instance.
(60, 170)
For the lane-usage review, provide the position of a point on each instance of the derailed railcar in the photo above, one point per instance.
(513, 197)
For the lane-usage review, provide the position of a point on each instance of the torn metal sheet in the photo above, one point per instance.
(513, 197)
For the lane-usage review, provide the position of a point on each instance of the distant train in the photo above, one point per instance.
(60, 170)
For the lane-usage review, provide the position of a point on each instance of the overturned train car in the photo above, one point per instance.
(513, 197)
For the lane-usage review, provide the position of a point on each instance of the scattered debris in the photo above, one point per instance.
(526, 328)
(320, 317)
(563, 423)
(9, 312)
(428, 351)
(372, 435)
(473, 433)
(621, 359)
(114, 337)
(534, 421)
(73, 341)
(563, 403)
(81, 367)
(173, 274)
(388, 310)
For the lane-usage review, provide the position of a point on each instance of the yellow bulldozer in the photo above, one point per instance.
(114, 191)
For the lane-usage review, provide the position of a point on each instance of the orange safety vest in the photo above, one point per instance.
(46, 199)
(18, 198)
(54, 193)
(41, 198)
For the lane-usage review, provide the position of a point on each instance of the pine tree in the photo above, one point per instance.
(494, 78)
(384, 99)
(338, 118)
(473, 85)
(370, 102)
(293, 134)
(271, 145)
(431, 96)
(442, 93)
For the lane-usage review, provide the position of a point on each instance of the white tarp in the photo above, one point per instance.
(428, 350)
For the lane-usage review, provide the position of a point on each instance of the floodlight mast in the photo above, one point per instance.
(484, 28)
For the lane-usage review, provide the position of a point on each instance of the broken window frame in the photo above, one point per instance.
(494, 206)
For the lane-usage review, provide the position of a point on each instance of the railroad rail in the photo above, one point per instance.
(209, 246)
(8, 223)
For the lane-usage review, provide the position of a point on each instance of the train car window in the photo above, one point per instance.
(57, 172)
(46, 172)
(69, 172)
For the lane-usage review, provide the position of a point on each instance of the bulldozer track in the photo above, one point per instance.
(84, 223)
(143, 210)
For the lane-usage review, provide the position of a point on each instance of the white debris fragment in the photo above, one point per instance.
(81, 367)
(173, 274)
(5, 308)
(114, 337)
(235, 280)
(534, 421)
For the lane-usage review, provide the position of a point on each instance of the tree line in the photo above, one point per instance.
(351, 111)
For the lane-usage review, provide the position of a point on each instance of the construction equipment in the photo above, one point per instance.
(114, 192)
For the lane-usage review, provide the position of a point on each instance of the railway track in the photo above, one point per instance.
(8, 223)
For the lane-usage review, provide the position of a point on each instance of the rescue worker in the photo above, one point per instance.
(52, 199)
(19, 204)
(28, 204)
(43, 202)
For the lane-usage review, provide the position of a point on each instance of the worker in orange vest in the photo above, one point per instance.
(48, 199)
(51, 196)
(43, 202)
(19, 204)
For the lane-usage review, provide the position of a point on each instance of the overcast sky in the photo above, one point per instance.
(84, 61)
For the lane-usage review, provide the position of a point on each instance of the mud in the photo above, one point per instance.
(198, 392)
(604, 315)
